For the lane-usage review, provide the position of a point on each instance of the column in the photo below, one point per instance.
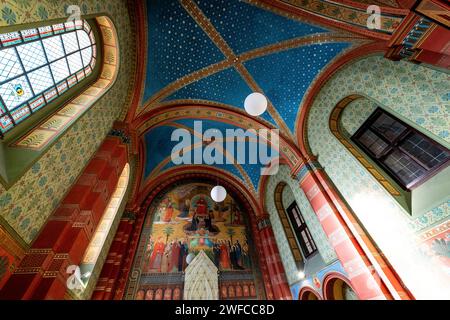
(108, 280)
(272, 257)
(63, 240)
(334, 218)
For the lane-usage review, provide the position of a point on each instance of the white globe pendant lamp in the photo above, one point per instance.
(255, 104)
(218, 193)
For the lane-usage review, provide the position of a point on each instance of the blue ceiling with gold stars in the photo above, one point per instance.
(179, 45)
(158, 140)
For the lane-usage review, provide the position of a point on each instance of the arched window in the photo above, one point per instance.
(50, 76)
(40, 64)
(404, 160)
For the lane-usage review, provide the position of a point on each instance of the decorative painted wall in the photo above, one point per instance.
(26, 205)
(355, 114)
(295, 193)
(183, 223)
(419, 96)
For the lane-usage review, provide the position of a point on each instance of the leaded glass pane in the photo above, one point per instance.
(86, 55)
(41, 79)
(404, 167)
(10, 66)
(40, 64)
(84, 39)
(10, 39)
(30, 34)
(45, 31)
(16, 92)
(408, 156)
(388, 127)
(53, 48)
(70, 42)
(32, 55)
(60, 70)
(429, 154)
(75, 63)
(371, 141)
(70, 26)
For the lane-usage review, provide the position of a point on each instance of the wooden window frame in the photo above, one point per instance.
(299, 229)
(394, 146)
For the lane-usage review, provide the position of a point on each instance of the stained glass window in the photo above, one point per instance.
(408, 156)
(38, 65)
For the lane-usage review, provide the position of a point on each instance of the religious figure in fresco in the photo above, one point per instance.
(149, 295)
(159, 213)
(216, 253)
(184, 208)
(175, 256)
(237, 217)
(224, 256)
(196, 224)
(166, 259)
(157, 254)
(169, 213)
(184, 251)
(201, 207)
(246, 262)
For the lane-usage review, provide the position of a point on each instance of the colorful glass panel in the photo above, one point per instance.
(38, 65)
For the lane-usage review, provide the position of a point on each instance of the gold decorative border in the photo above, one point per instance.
(336, 130)
(345, 14)
(216, 115)
(278, 193)
(163, 163)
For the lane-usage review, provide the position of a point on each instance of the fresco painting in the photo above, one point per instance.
(186, 221)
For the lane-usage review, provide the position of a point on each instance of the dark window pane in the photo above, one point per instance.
(301, 231)
(388, 127)
(376, 145)
(428, 153)
(404, 167)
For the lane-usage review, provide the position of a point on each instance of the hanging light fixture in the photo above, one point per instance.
(218, 193)
(301, 275)
(255, 104)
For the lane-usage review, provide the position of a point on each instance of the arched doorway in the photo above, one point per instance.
(336, 287)
(308, 294)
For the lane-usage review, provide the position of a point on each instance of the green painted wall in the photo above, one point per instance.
(293, 192)
(26, 206)
(355, 114)
(419, 96)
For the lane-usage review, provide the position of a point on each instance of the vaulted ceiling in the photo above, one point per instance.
(214, 53)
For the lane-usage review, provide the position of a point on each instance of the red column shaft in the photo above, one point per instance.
(364, 280)
(65, 237)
